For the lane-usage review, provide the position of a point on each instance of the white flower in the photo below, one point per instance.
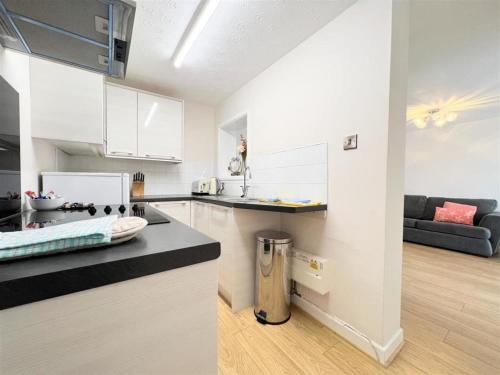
(240, 149)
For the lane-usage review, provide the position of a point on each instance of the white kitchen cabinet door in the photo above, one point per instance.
(200, 217)
(160, 127)
(180, 210)
(224, 229)
(66, 103)
(121, 121)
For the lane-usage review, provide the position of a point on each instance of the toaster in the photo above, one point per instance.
(208, 186)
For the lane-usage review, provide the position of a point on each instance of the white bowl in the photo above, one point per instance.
(46, 204)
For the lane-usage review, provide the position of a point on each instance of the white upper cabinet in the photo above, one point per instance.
(121, 121)
(160, 127)
(142, 125)
(66, 103)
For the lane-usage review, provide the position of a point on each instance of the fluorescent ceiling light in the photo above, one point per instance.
(196, 26)
(150, 114)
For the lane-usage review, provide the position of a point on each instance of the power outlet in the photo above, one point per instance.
(351, 142)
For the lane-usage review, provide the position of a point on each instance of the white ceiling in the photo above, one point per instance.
(455, 53)
(241, 39)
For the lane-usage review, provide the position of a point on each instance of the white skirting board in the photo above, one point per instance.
(382, 353)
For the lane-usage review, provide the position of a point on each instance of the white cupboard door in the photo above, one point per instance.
(223, 229)
(121, 121)
(180, 210)
(160, 127)
(67, 103)
(200, 217)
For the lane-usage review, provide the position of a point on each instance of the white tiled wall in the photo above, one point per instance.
(160, 177)
(295, 173)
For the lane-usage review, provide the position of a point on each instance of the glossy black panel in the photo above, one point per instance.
(10, 153)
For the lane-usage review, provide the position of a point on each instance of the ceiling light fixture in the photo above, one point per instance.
(437, 116)
(441, 111)
(200, 19)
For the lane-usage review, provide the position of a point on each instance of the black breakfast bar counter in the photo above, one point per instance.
(251, 204)
(157, 248)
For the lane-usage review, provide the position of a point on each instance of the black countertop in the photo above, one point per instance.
(235, 202)
(157, 248)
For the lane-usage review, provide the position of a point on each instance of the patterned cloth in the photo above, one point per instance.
(56, 238)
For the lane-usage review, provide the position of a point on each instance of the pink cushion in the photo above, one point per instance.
(456, 213)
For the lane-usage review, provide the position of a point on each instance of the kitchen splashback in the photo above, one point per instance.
(160, 177)
(295, 173)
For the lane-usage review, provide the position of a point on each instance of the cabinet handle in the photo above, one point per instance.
(221, 208)
(121, 153)
(170, 204)
(160, 156)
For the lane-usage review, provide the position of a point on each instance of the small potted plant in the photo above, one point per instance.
(242, 150)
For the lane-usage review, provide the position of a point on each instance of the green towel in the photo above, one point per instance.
(56, 238)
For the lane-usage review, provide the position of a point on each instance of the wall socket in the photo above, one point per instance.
(351, 142)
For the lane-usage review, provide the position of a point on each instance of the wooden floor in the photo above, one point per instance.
(450, 316)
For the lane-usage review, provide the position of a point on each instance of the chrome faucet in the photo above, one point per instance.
(245, 187)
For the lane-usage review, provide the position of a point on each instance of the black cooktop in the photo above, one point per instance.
(41, 219)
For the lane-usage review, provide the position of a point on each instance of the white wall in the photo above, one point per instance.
(36, 155)
(162, 177)
(461, 160)
(339, 82)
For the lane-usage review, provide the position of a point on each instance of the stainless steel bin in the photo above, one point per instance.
(272, 278)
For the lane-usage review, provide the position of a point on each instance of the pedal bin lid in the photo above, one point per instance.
(274, 237)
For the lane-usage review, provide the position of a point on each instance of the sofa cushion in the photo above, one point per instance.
(414, 206)
(484, 206)
(409, 222)
(449, 215)
(456, 229)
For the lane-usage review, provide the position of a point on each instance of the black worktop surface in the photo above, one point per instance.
(157, 248)
(250, 204)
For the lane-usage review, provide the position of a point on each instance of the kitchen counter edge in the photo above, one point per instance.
(158, 248)
(221, 201)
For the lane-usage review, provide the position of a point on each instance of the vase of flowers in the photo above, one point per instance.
(242, 150)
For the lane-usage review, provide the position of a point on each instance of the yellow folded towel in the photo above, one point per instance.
(279, 202)
(298, 204)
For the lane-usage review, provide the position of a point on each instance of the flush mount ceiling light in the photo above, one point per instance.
(441, 112)
(198, 22)
(437, 116)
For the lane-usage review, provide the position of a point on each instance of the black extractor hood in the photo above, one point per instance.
(91, 34)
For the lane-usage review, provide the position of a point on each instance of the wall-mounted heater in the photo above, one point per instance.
(311, 271)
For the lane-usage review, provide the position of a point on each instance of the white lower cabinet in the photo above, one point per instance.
(179, 210)
(235, 229)
(200, 217)
(221, 229)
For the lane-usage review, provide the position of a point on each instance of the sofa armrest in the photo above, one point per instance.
(492, 222)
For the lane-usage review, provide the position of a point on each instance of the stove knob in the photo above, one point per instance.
(107, 209)
(122, 209)
(92, 211)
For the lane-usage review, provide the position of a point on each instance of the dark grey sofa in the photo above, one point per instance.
(481, 239)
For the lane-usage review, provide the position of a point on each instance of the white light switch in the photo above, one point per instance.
(351, 142)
